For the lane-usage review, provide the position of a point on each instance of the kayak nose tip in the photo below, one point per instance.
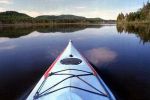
(70, 41)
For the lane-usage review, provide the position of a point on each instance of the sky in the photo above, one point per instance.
(106, 9)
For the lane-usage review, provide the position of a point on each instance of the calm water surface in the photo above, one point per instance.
(121, 59)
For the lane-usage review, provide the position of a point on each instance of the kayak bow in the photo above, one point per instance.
(71, 77)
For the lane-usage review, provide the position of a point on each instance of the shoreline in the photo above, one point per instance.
(134, 22)
(50, 24)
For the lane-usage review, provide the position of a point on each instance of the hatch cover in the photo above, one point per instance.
(70, 61)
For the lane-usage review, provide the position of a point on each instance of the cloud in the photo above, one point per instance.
(101, 55)
(5, 2)
(92, 8)
(80, 7)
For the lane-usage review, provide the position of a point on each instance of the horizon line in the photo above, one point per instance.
(53, 15)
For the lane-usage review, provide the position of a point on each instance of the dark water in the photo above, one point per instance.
(121, 57)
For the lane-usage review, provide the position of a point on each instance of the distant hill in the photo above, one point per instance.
(69, 19)
(13, 13)
(13, 17)
(61, 17)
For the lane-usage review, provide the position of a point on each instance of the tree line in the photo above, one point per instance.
(142, 15)
(13, 17)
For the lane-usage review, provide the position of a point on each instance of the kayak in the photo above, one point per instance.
(71, 77)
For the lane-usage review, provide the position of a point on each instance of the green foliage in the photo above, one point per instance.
(121, 17)
(13, 17)
(69, 19)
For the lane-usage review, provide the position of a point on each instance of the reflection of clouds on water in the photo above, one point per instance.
(2, 40)
(80, 38)
(101, 55)
(31, 35)
(34, 35)
(54, 53)
(9, 47)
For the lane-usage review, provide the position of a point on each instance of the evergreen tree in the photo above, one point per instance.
(142, 14)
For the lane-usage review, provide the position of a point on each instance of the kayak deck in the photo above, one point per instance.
(71, 77)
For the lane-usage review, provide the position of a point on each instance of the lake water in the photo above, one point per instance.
(122, 58)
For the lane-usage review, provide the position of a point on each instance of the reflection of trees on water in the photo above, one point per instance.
(141, 30)
(15, 31)
(65, 28)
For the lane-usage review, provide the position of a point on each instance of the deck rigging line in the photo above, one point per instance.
(47, 91)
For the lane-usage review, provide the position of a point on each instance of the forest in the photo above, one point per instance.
(141, 16)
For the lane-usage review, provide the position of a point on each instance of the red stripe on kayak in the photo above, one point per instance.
(49, 69)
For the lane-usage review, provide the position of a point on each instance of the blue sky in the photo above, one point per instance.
(106, 9)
